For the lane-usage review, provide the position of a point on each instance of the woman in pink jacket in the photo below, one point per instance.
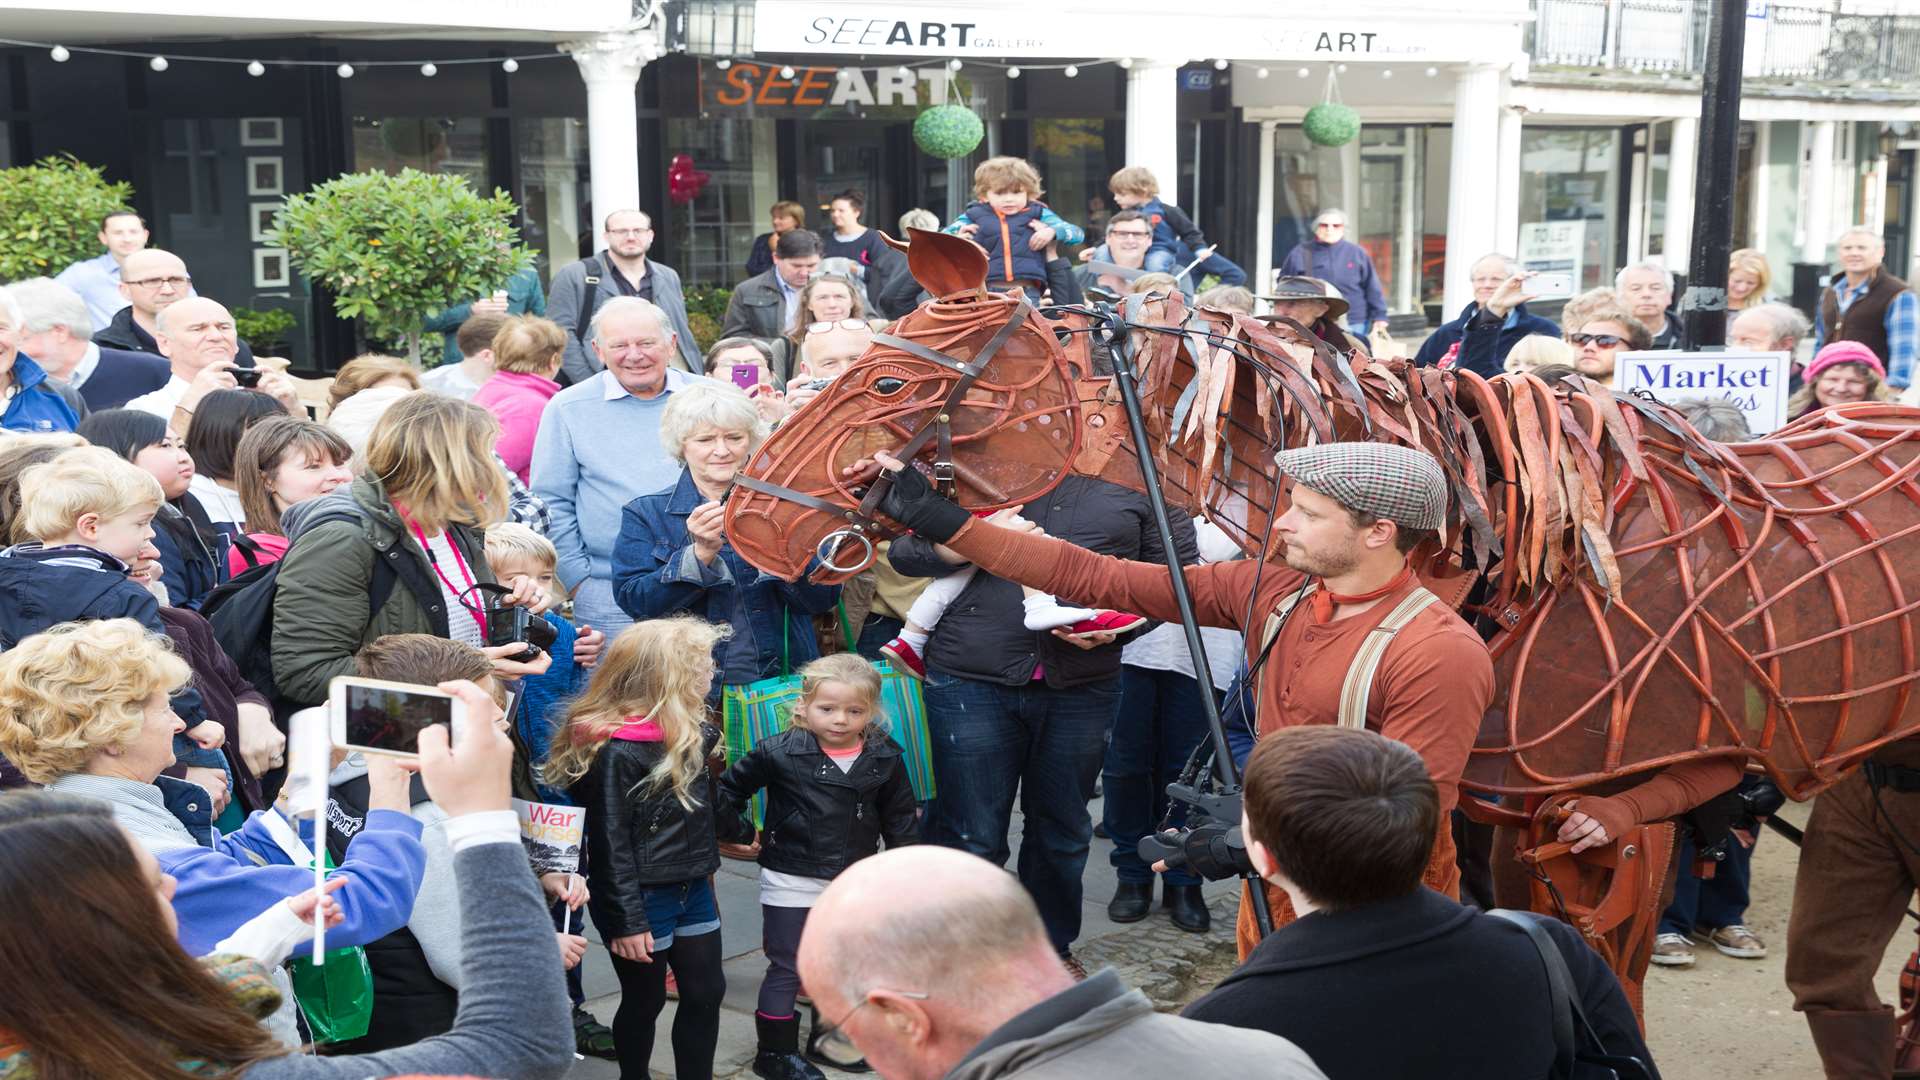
(526, 356)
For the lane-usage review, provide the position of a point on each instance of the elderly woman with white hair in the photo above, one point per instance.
(672, 555)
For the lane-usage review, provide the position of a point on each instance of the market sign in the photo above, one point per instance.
(1755, 382)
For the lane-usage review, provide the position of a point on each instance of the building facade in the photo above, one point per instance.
(1560, 130)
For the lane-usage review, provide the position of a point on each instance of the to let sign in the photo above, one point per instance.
(1755, 382)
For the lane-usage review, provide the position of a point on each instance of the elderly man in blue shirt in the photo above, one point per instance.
(97, 280)
(599, 448)
(1864, 303)
(1331, 257)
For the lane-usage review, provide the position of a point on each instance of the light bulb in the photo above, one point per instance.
(158, 63)
(60, 54)
(1303, 73)
(1013, 73)
(1219, 65)
(1071, 72)
(256, 69)
(786, 72)
(1125, 62)
(1341, 68)
(1386, 73)
(509, 65)
(953, 65)
(429, 70)
(345, 71)
(723, 64)
(1432, 71)
(905, 71)
(1261, 73)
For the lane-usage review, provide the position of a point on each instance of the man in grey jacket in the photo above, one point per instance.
(933, 963)
(622, 269)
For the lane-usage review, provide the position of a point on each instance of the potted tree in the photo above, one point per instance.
(265, 329)
(392, 248)
(50, 215)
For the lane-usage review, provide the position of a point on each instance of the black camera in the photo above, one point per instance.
(248, 377)
(508, 623)
(1211, 844)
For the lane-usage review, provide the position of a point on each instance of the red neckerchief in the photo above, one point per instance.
(1324, 600)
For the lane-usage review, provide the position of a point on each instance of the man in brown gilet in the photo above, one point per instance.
(1864, 303)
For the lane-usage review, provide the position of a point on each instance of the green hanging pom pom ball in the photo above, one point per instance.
(1331, 124)
(948, 131)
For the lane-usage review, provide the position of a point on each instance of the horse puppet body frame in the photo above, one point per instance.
(1649, 597)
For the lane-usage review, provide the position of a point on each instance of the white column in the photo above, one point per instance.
(1819, 210)
(1757, 211)
(1683, 154)
(1153, 128)
(1506, 200)
(1263, 214)
(610, 63)
(1470, 213)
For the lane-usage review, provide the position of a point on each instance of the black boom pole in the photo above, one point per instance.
(1704, 308)
(1121, 347)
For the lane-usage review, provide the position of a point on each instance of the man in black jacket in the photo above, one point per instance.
(763, 305)
(1343, 820)
(1015, 709)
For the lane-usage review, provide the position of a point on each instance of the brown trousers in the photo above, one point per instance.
(1855, 882)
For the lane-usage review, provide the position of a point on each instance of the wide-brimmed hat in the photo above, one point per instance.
(1310, 288)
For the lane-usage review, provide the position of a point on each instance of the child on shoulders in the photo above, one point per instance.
(1008, 219)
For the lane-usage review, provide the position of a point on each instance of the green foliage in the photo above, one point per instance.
(50, 215)
(262, 328)
(392, 248)
(1331, 124)
(706, 312)
(948, 131)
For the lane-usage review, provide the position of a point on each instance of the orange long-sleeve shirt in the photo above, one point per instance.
(1433, 685)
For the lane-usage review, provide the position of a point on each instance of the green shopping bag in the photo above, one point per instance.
(763, 709)
(336, 997)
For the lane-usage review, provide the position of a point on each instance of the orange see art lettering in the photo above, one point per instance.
(773, 82)
(740, 79)
(813, 87)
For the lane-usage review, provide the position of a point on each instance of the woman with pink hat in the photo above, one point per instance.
(1841, 372)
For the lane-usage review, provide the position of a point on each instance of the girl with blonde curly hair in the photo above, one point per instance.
(634, 753)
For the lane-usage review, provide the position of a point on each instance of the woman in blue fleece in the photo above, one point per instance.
(84, 710)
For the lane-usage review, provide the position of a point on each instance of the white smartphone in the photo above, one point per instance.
(1550, 286)
(373, 716)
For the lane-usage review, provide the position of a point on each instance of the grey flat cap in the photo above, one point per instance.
(1404, 486)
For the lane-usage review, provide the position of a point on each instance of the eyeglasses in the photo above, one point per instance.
(628, 232)
(843, 324)
(1134, 234)
(831, 1042)
(1605, 341)
(179, 282)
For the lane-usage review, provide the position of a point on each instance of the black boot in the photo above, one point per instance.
(1131, 901)
(813, 1054)
(779, 1057)
(1187, 908)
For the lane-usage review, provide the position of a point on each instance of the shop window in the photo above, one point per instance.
(1659, 153)
(1568, 199)
(1071, 155)
(1375, 180)
(712, 235)
(456, 145)
(554, 206)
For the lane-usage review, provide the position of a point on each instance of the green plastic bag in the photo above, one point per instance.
(336, 997)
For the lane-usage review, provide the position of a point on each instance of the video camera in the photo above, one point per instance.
(1211, 845)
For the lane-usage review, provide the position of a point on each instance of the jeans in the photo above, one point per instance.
(1715, 902)
(1161, 720)
(875, 632)
(991, 740)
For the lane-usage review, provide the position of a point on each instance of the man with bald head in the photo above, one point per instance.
(1770, 327)
(931, 963)
(151, 280)
(197, 337)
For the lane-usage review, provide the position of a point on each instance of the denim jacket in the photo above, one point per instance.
(656, 574)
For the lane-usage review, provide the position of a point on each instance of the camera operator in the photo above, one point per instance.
(1344, 823)
(1343, 634)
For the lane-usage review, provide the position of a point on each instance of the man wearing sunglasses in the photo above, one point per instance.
(932, 963)
(1605, 335)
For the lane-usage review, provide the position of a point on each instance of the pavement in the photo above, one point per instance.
(1166, 962)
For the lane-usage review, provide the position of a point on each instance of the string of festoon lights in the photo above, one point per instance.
(160, 61)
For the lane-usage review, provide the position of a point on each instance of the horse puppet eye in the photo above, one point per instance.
(888, 385)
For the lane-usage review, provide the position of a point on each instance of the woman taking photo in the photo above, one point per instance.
(281, 461)
(1840, 373)
(672, 555)
(428, 490)
(189, 544)
(136, 1003)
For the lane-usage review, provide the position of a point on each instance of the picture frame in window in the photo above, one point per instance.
(260, 219)
(270, 269)
(266, 176)
(261, 131)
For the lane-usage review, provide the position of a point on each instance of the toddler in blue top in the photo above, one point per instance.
(1008, 219)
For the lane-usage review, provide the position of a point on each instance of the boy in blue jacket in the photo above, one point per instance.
(1008, 219)
(1176, 239)
(90, 515)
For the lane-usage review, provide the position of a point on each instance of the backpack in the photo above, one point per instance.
(241, 612)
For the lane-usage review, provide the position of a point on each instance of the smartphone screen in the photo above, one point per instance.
(1550, 286)
(386, 718)
(746, 376)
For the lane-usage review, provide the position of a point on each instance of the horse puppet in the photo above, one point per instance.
(1649, 597)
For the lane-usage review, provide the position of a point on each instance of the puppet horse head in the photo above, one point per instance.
(973, 383)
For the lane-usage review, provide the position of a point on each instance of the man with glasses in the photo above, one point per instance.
(1331, 257)
(598, 449)
(97, 280)
(1129, 235)
(152, 280)
(1445, 346)
(623, 269)
(762, 306)
(931, 963)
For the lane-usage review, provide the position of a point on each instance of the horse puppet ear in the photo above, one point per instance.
(943, 264)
